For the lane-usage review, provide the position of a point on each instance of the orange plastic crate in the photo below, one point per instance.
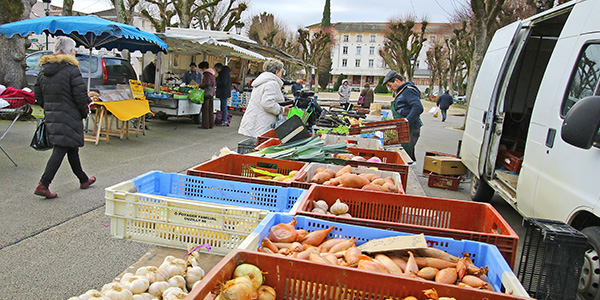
(300, 279)
(448, 182)
(391, 161)
(265, 136)
(416, 214)
(236, 167)
(268, 143)
(394, 131)
(510, 160)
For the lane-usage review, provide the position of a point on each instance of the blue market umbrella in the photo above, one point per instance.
(90, 32)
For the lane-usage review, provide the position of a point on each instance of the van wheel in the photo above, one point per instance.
(197, 119)
(163, 116)
(590, 272)
(480, 190)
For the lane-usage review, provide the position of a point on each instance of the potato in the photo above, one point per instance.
(320, 178)
(373, 187)
(353, 180)
(378, 181)
(344, 170)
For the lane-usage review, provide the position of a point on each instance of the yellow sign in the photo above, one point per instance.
(137, 89)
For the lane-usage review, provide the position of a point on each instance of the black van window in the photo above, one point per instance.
(117, 67)
(584, 80)
(84, 63)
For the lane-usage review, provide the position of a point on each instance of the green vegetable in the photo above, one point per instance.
(311, 149)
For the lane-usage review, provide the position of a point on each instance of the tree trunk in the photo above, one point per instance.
(12, 52)
(67, 9)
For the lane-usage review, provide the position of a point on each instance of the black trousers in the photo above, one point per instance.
(444, 111)
(208, 115)
(58, 153)
(410, 147)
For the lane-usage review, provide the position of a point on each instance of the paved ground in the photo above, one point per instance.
(55, 249)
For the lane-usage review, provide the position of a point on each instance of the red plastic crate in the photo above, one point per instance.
(268, 143)
(510, 160)
(394, 131)
(265, 136)
(300, 279)
(236, 167)
(447, 182)
(416, 214)
(391, 161)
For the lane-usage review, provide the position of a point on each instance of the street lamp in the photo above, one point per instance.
(238, 27)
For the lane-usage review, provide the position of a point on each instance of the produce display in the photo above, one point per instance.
(350, 156)
(338, 208)
(184, 90)
(345, 178)
(421, 263)
(170, 281)
(336, 118)
(312, 149)
(247, 283)
(262, 174)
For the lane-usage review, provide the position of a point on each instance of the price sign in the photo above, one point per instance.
(137, 90)
(394, 243)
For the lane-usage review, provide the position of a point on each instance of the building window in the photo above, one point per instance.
(345, 37)
(344, 63)
(358, 50)
(432, 38)
(371, 63)
(345, 50)
(359, 38)
(357, 63)
(371, 50)
(373, 38)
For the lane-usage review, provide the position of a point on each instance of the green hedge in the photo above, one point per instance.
(380, 88)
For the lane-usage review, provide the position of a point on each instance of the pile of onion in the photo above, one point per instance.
(247, 284)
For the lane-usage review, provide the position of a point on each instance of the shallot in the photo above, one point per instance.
(283, 233)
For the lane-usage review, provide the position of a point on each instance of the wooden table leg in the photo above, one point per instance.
(98, 124)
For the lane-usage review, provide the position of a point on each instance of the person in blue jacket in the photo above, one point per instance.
(407, 104)
(443, 102)
(223, 90)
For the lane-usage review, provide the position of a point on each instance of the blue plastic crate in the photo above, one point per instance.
(482, 254)
(271, 198)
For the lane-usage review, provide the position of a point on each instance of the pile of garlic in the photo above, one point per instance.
(338, 208)
(171, 281)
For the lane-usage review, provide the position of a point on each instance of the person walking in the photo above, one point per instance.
(192, 75)
(297, 86)
(443, 102)
(407, 104)
(263, 109)
(149, 72)
(344, 92)
(208, 84)
(367, 94)
(61, 91)
(223, 90)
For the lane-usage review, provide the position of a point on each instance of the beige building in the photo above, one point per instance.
(355, 53)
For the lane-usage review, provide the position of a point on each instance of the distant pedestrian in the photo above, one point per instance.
(443, 102)
(223, 90)
(149, 72)
(344, 92)
(208, 84)
(407, 104)
(192, 76)
(367, 96)
(61, 91)
(297, 86)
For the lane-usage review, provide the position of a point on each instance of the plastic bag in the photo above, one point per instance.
(197, 96)
(361, 100)
(434, 110)
(40, 140)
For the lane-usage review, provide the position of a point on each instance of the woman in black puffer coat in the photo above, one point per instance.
(61, 91)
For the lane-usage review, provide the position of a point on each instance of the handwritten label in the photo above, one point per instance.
(137, 89)
(394, 243)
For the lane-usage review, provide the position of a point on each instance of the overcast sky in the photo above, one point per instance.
(300, 13)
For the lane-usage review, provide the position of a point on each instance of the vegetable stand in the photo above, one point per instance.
(174, 105)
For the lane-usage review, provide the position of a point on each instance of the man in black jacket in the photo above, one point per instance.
(61, 92)
(443, 102)
(149, 73)
(223, 90)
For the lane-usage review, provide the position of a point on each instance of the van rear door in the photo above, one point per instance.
(480, 117)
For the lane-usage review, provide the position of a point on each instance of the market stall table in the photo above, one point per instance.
(122, 111)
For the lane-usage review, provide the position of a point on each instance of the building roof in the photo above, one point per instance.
(379, 27)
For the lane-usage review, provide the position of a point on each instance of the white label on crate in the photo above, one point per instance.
(394, 243)
(198, 219)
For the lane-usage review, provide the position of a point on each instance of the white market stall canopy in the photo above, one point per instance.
(214, 43)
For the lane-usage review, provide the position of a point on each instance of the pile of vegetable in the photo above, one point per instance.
(312, 149)
(338, 208)
(339, 130)
(262, 174)
(420, 263)
(345, 178)
(171, 281)
(246, 284)
(350, 156)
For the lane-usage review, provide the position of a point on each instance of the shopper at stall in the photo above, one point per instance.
(208, 84)
(407, 104)
(344, 92)
(263, 109)
(61, 91)
(223, 90)
(192, 75)
(149, 72)
(367, 96)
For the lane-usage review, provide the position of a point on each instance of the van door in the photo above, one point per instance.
(482, 104)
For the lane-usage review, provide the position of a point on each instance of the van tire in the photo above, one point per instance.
(480, 190)
(590, 272)
(163, 116)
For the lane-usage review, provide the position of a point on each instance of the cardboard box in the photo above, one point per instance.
(444, 165)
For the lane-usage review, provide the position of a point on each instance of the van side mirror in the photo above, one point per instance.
(580, 127)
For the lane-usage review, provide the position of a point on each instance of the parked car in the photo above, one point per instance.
(106, 70)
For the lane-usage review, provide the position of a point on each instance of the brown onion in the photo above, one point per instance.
(391, 266)
(283, 233)
(411, 265)
(266, 292)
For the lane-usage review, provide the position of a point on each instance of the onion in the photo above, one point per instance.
(238, 289)
(252, 272)
(266, 292)
(283, 233)
(358, 158)
(374, 159)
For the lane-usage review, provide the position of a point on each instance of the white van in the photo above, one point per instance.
(537, 93)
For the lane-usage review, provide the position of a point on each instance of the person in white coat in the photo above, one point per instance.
(263, 109)
(344, 92)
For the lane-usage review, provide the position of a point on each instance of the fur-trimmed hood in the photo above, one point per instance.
(52, 64)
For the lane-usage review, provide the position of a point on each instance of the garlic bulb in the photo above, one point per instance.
(173, 266)
(345, 215)
(193, 275)
(195, 284)
(178, 281)
(174, 293)
(320, 204)
(152, 273)
(116, 291)
(317, 210)
(137, 284)
(144, 296)
(339, 208)
(92, 295)
(157, 288)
